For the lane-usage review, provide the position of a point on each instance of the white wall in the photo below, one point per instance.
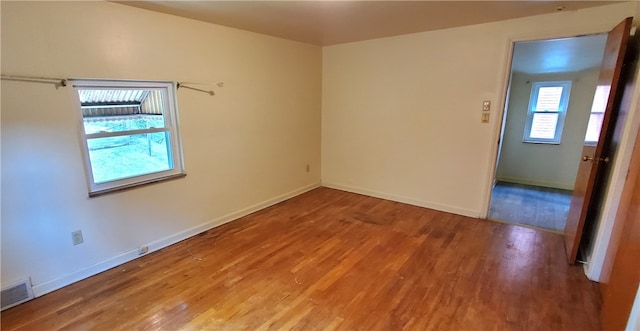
(245, 148)
(401, 115)
(546, 164)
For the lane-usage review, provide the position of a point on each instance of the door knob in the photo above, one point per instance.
(586, 158)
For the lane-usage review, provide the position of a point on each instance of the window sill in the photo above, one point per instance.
(131, 186)
(541, 142)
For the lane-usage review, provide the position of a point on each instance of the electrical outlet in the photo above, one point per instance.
(143, 250)
(308, 168)
(76, 237)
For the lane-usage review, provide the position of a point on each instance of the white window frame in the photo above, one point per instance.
(170, 110)
(562, 111)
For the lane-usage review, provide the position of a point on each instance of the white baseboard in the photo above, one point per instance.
(533, 182)
(129, 255)
(407, 200)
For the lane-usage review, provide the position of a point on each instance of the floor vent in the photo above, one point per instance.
(16, 294)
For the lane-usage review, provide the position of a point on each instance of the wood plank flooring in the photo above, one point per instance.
(541, 207)
(331, 260)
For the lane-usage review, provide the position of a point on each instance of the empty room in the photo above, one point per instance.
(311, 165)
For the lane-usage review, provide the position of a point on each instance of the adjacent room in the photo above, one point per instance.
(539, 156)
(315, 165)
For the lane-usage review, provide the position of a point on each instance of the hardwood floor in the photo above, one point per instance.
(536, 206)
(331, 260)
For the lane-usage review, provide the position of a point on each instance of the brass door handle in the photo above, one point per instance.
(590, 158)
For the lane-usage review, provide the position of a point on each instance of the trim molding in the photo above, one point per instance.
(132, 254)
(407, 200)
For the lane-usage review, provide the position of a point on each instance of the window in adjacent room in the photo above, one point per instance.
(129, 133)
(597, 114)
(547, 111)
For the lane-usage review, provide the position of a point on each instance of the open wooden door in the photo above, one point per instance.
(595, 153)
(620, 286)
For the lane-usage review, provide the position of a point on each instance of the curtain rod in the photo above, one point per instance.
(219, 84)
(63, 82)
(56, 81)
(181, 84)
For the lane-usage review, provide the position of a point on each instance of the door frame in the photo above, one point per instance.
(497, 130)
(620, 162)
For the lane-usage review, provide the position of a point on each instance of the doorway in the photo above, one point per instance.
(548, 114)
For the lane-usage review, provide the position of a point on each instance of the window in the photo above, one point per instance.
(597, 114)
(129, 133)
(546, 113)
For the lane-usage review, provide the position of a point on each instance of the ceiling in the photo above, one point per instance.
(559, 55)
(333, 22)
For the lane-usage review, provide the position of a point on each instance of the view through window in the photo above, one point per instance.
(130, 132)
(597, 114)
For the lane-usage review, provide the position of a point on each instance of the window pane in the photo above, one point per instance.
(549, 98)
(126, 156)
(600, 99)
(594, 127)
(121, 110)
(122, 123)
(543, 125)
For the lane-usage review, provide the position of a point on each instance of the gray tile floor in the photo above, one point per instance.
(531, 205)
